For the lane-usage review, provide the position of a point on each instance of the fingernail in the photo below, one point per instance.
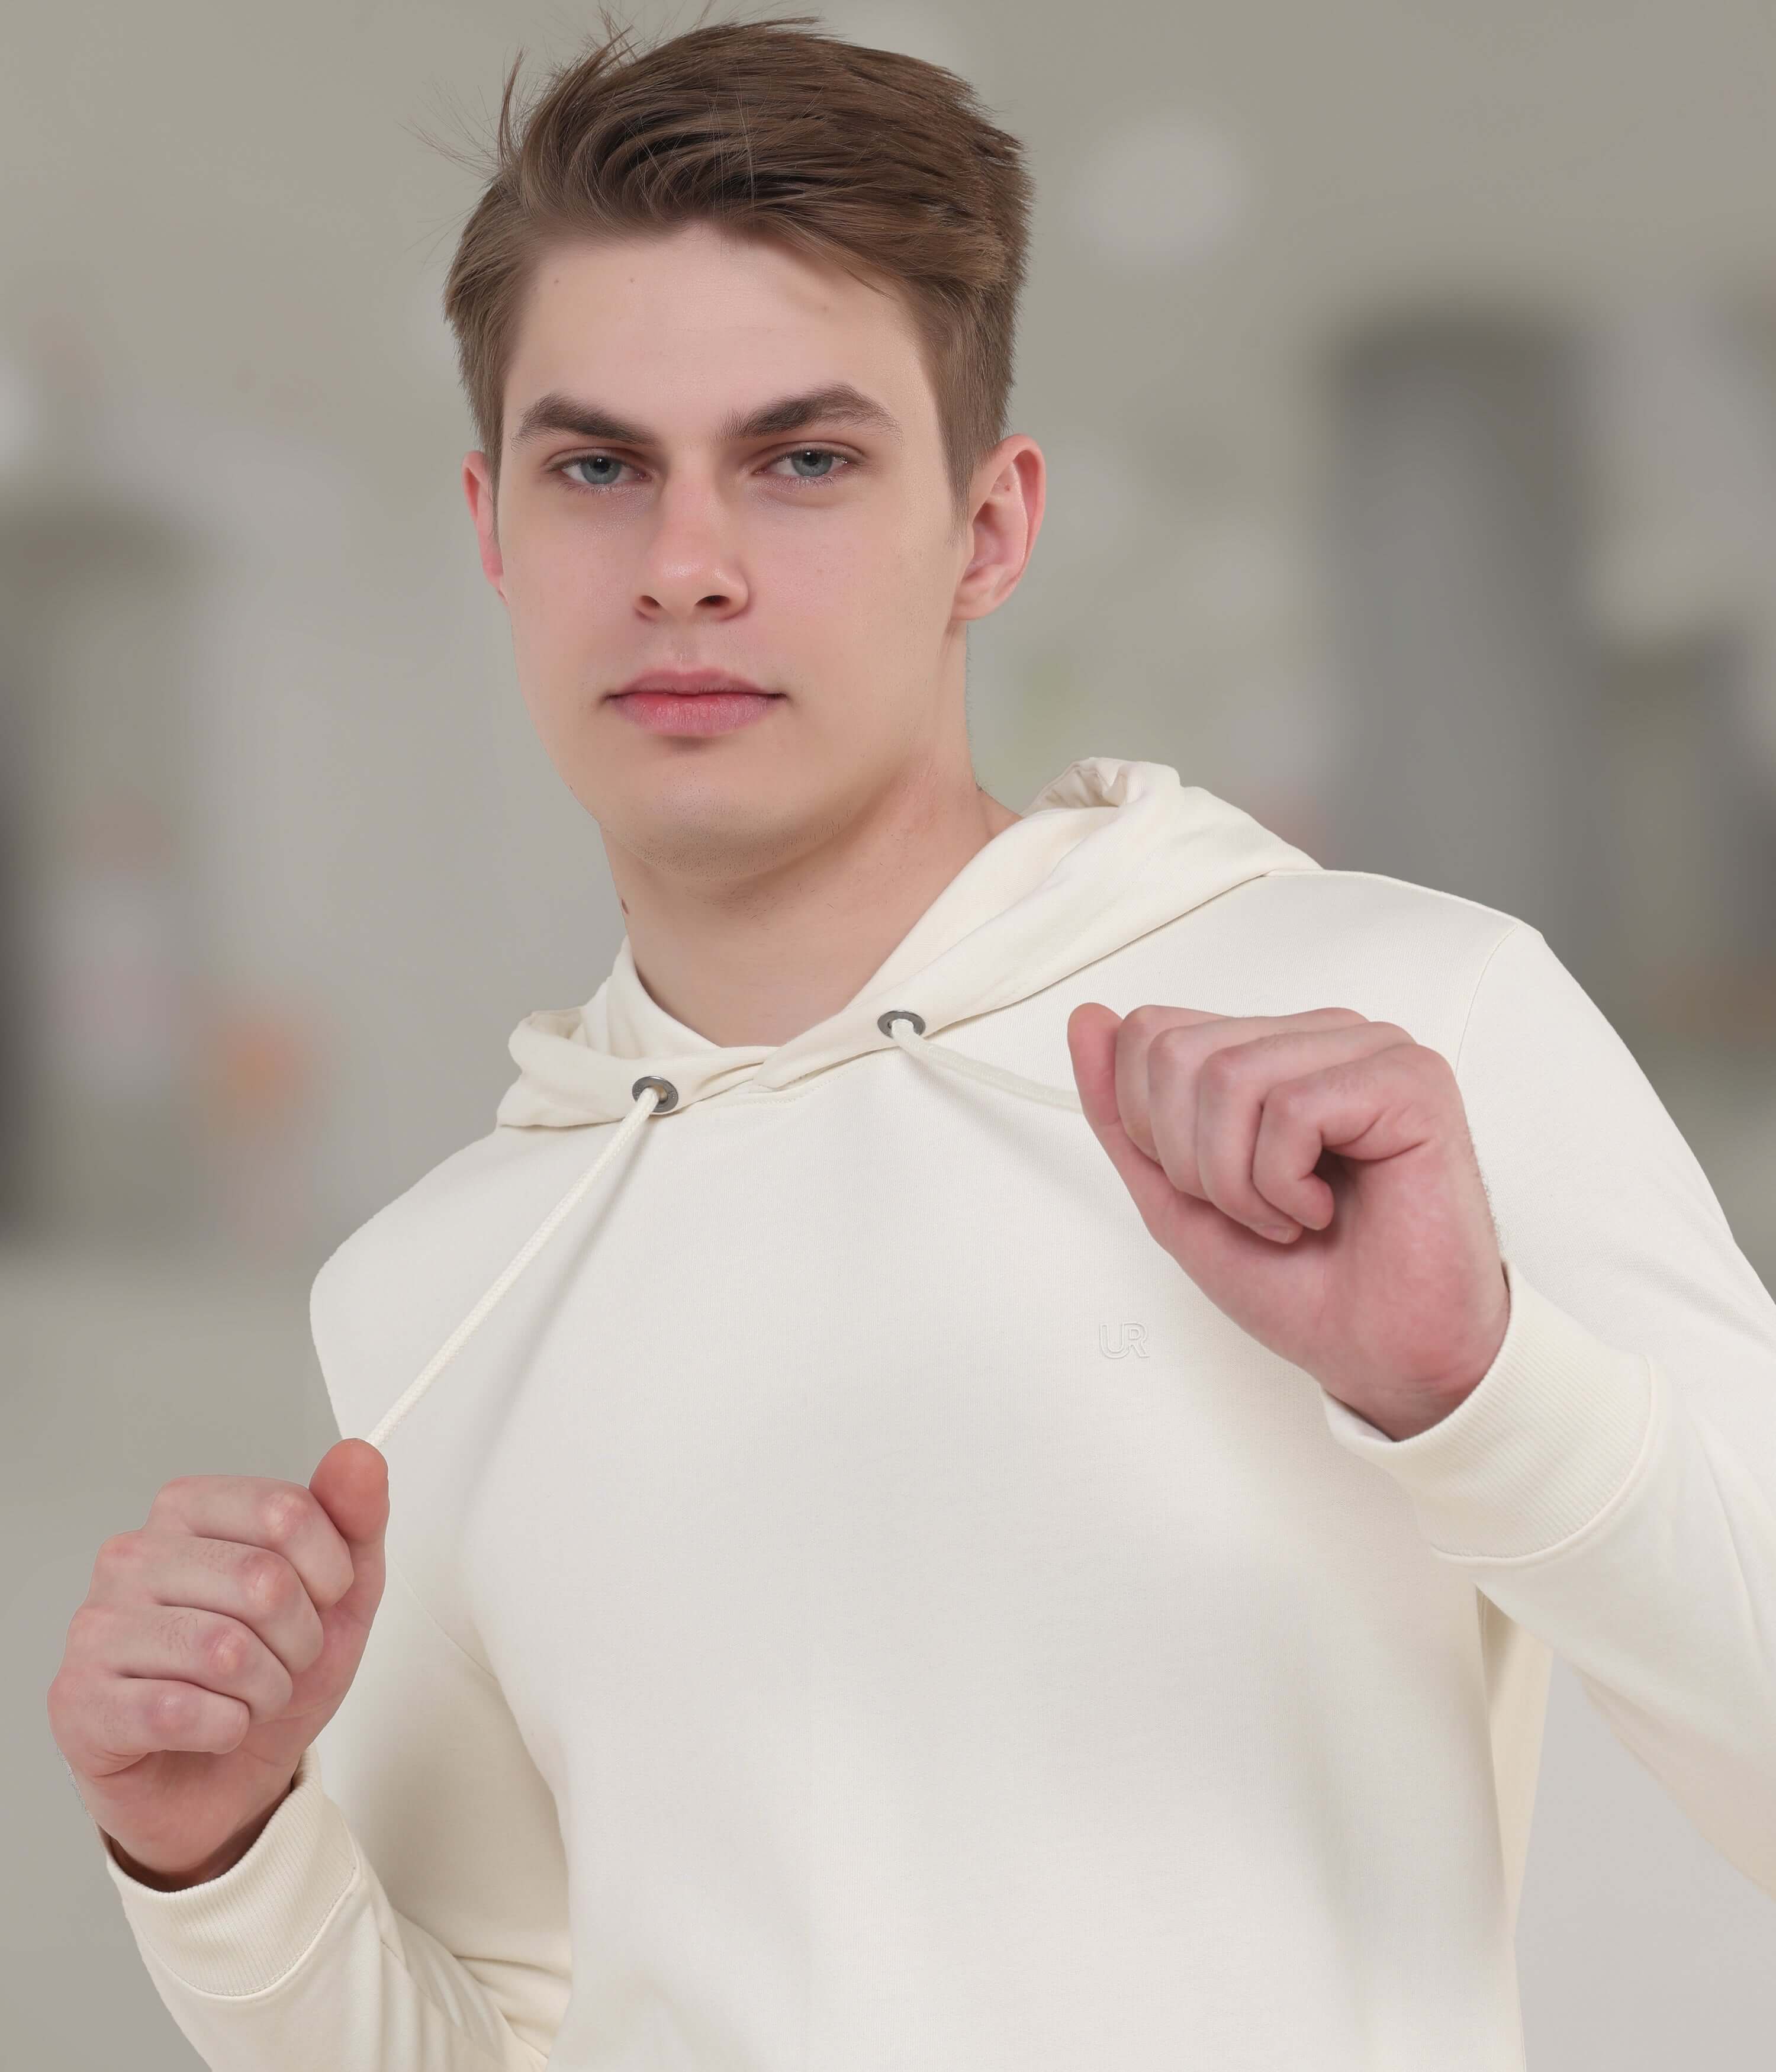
(1282, 1232)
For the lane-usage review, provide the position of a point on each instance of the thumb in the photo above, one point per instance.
(1091, 1043)
(350, 1484)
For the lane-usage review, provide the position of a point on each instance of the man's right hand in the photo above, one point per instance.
(212, 1647)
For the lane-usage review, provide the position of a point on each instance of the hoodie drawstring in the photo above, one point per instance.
(655, 1097)
(973, 1068)
(649, 1101)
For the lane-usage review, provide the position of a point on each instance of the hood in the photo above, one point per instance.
(1109, 851)
(1106, 852)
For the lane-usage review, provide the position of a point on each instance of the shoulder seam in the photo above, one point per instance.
(1413, 885)
(394, 1568)
(1516, 927)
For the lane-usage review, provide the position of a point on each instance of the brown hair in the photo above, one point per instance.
(774, 130)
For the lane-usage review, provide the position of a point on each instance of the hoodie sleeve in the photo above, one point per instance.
(404, 1908)
(1610, 1482)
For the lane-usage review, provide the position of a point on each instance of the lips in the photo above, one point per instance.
(718, 710)
(693, 683)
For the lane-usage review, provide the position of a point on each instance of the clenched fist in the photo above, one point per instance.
(213, 1645)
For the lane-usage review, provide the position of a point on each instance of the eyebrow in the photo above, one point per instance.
(837, 403)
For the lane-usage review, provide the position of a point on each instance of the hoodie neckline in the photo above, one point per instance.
(1112, 849)
(1016, 858)
(1109, 850)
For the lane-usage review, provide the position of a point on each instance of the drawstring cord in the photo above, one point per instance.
(655, 1097)
(973, 1068)
(649, 1101)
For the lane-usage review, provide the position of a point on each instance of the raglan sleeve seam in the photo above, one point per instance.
(398, 1569)
(1515, 929)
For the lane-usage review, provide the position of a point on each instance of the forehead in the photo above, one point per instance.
(680, 328)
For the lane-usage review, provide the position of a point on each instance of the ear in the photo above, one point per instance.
(1009, 486)
(477, 486)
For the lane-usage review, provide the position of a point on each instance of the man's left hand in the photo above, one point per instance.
(1350, 1140)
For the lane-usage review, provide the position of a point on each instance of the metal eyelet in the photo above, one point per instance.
(901, 1015)
(668, 1094)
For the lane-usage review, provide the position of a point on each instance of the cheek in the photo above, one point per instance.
(560, 594)
(875, 593)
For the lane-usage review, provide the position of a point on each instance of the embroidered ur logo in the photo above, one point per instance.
(1130, 1339)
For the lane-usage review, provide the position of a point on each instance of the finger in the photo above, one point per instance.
(351, 1483)
(121, 1719)
(1195, 1232)
(1205, 1117)
(1093, 1036)
(1367, 1108)
(1194, 1037)
(1092, 1030)
(258, 1510)
(208, 1649)
(253, 1584)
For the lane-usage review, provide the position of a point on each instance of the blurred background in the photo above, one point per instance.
(1407, 377)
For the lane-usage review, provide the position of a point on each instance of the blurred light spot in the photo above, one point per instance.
(1168, 191)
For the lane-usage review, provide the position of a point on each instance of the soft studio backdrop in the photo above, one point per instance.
(1408, 379)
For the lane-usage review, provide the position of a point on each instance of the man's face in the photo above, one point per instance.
(820, 559)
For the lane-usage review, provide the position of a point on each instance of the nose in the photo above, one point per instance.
(691, 571)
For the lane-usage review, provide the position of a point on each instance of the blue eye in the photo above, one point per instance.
(603, 471)
(591, 460)
(815, 463)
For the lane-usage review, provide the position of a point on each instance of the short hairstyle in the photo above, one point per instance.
(776, 129)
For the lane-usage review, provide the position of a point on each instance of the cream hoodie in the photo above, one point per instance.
(855, 1605)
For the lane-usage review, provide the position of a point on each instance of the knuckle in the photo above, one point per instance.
(283, 1512)
(1435, 1065)
(266, 1579)
(66, 1701)
(168, 1500)
(172, 1710)
(1156, 1024)
(226, 1647)
(120, 1555)
(88, 1628)
(1225, 1070)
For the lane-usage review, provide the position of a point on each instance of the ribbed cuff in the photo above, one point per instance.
(1558, 1426)
(245, 1931)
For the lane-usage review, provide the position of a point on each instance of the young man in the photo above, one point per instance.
(979, 1480)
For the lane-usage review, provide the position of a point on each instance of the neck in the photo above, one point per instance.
(763, 953)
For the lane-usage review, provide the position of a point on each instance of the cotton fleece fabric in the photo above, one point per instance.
(854, 1605)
